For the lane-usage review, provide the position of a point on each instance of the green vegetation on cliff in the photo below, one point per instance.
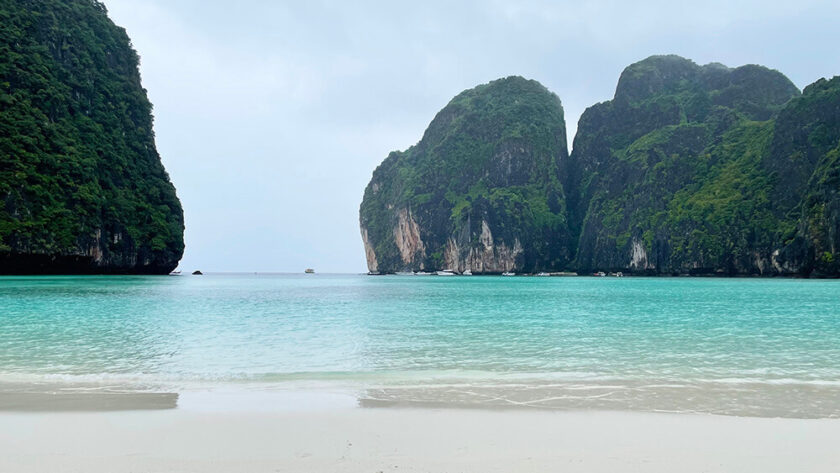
(694, 169)
(669, 173)
(81, 183)
(804, 161)
(487, 165)
(689, 169)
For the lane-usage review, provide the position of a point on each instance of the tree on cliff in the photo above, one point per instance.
(82, 186)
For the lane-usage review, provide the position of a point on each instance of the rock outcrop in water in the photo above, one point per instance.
(82, 186)
(480, 191)
(688, 170)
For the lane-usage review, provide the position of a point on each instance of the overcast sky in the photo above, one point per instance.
(271, 116)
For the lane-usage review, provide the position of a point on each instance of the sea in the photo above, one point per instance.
(744, 347)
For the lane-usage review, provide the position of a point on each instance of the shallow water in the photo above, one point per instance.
(734, 346)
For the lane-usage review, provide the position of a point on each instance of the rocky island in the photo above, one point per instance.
(688, 170)
(82, 186)
(481, 190)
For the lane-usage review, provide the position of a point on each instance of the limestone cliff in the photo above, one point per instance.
(804, 160)
(667, 177)
(689, 169)
(82, 187)
(480, 191)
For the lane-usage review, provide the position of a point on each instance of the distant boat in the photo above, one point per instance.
(445, 272)
(508, 273)
(309, 271)
(543, 274)
(404, 273)
(422, 273)
(175, 273)
(373, 273)
(467, 273)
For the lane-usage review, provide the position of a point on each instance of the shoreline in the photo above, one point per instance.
(554, 274)
(817, 403)
(415, 440)
(608, 275)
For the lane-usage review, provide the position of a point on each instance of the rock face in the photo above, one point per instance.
(804, 161)
(82, 186)
(480, 191)
(688, 170)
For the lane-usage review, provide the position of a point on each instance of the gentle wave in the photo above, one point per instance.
(405, 379)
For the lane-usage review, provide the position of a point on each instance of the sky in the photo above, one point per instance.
(271, 116)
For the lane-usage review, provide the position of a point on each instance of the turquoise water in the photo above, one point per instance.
(732, 346)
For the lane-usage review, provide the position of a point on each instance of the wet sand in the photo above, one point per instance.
(81, 402)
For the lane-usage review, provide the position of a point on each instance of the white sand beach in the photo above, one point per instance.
(329, 439)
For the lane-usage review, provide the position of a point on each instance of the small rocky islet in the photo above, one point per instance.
(689, 169)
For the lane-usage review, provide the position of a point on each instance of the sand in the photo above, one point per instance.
(319, 438)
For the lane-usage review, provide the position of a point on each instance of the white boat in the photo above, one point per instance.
(404, 273)
(542, 275)
(508, 273)
(445, 272)
(467, 273)
(422, 273)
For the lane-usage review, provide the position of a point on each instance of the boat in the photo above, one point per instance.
(543, 275)
(445, 272)
(467, 273)
(422, 273)
(309, 271)
(175, 273)
(404, 273)
(508, 273)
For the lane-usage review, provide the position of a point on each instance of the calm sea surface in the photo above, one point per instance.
(731, 346)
